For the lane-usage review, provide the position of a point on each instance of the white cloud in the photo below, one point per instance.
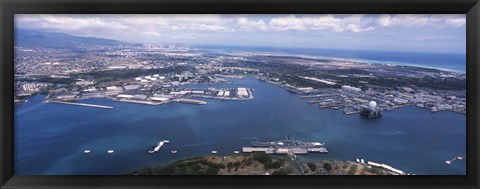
(409, 21)
(143, 28)
(353, 23)
(251, 25)
(151, 33)
(456, 22)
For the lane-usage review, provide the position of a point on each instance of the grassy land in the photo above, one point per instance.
(256, 164)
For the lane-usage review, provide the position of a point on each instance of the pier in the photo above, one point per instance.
(139, 102)
(190, 101)
(83, 104)
(287, 146)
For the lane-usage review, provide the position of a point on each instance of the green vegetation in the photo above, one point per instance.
(375, 170)
(262, 158)
(312, 166)
(192, 166)
(327, 166)
(352, 170)
(283, 171)
(115, 75)
(267, 161)
(258, 163)
(55, 80)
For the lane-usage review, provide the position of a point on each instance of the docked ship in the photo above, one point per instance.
(287, 146)
(287, 142)
(156, 148)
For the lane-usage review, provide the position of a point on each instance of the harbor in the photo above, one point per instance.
(137, 129)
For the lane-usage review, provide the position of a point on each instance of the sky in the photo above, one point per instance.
(411, 33)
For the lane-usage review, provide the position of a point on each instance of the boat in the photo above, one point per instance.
(448, 162)
(214, 152)
(236, 152)
(166, 141)
(110, 151)
(87, 151)
(174, 151)
(157, 148)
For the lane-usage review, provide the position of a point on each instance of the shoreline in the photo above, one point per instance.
(354, 60)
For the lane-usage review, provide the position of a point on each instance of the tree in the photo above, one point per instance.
(312, 166)
(283, 171)
(327, 166)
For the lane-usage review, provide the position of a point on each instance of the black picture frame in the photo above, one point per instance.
(11, 7)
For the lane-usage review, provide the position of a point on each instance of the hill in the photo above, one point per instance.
(40, 39)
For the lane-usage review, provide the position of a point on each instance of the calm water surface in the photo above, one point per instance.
(50, 138)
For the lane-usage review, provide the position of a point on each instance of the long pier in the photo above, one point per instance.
(190, 101)
(83, 104)
(139, 102)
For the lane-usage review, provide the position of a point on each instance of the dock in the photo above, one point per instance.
(83, 104)
(314, 101)
(190, 101)
(287, 146)
(317, 96)
(138, 102)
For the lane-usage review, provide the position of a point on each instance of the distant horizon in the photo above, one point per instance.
(260, 46)
(391, 33)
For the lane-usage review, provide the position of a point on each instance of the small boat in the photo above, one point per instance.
(174, 151)
(166, 141)
(87, 151)
(448, 162)
(110, 151)
(214, 152)
(459, 158)
(236, 152)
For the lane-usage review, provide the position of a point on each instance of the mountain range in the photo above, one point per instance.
(41, 39)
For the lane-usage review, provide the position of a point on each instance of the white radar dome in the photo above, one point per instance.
(372, 104)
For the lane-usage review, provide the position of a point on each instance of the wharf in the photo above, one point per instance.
(317, 96)
(190, 101)
(314, 101)
(287, 146)
(83, 104)
(139, 102)
(349, 112)
(286, 150)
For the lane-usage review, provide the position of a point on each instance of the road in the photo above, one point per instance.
(293, 162)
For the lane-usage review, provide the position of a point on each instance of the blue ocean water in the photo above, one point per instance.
(50, 138)
(444, 61)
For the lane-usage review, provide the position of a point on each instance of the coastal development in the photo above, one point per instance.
(159, 75)
(337, 84)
